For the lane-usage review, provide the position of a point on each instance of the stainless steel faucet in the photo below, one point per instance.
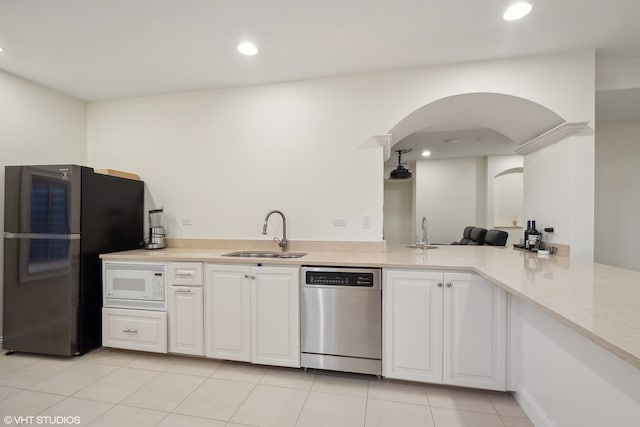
(424, 231)
(281, 242)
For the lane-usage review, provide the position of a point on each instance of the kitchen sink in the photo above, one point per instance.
(420, 247)
(291, 254)
(265, 254)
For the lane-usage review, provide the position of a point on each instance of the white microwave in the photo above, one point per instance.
(134, 285)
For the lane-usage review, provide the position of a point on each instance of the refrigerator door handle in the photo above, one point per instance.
(9, 235)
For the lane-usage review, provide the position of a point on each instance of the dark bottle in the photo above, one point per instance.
(534, 237)
(526, 235)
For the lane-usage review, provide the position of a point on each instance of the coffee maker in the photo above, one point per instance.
(156, 231)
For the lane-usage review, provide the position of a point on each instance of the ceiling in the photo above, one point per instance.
(451, 142)
(105, 49)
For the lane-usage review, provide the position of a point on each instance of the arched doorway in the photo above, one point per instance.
(472, 138)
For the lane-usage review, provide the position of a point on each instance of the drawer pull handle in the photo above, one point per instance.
(439, 284)
(253, 277)
(184, 274)
(183, 291)
(449, 285)
(130, 331)
(246, 276)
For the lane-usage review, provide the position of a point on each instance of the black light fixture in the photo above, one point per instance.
(400, 172)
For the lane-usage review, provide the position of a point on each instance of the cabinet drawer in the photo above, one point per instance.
(134, 329)
(185, 273)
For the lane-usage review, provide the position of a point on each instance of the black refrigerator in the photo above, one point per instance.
(57, 220)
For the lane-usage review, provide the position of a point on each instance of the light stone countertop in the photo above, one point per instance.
(600, 302)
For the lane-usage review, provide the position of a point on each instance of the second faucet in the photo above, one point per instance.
(281, 242)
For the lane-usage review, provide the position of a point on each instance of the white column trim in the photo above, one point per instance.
(385, 142)
(550, 137)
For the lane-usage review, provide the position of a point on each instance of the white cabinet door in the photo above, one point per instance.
(412, 325)
(474, 332)
(228, 312)
(186, 320)
(275, 316)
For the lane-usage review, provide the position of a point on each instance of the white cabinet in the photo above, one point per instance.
(252, 314)
(444, 328)
(134, 329)
(275, 321)
(228, 312)
(475, 332)
(186, 308)
(412, 325)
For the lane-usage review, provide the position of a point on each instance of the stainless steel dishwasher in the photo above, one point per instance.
(341, 319)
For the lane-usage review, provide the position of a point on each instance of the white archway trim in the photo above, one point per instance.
(550, 137)
(385, 142)
(508, 171)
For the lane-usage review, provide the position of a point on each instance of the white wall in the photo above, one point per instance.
(559, 192)
(225, 157)
(496, 165)
(618, 73)
(37, 126)
(398, 208)
(562, 379)
(617, 197)
(446, 194)
(507, 199)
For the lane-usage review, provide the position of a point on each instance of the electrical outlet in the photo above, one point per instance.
(366, 221)
(339, 222)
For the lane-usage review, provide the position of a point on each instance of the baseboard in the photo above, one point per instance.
(532, 408)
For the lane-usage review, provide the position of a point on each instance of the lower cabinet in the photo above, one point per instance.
(186, 320)
(228, 312)
(186, 308)
(444, 327)
(134, 329)
(252, 314)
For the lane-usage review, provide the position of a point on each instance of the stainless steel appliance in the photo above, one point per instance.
(134, 285)
(341, 319)
(156, 230)
(57, 220)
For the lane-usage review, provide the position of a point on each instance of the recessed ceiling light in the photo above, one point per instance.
(247, 48)
(517, 11)
(426, 153)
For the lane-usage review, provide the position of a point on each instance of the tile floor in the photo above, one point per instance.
(124, 388)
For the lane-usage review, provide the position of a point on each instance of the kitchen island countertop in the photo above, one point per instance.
(598, 301)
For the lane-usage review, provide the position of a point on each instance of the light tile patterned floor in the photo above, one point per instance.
(125, 388)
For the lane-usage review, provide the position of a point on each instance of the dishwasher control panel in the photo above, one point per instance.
(340, 277)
